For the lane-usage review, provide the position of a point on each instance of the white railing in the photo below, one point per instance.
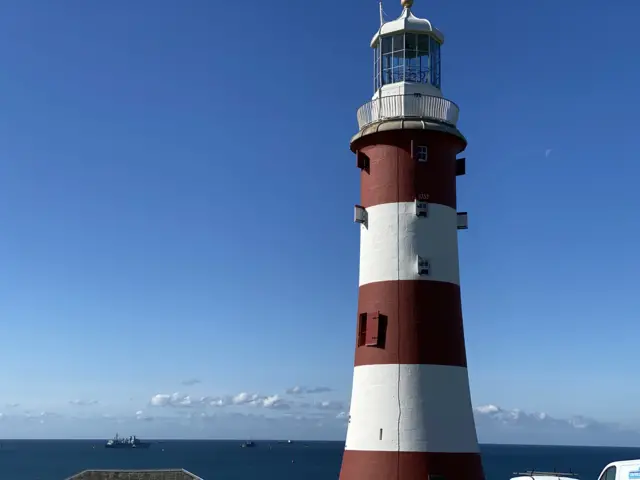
(410, 106)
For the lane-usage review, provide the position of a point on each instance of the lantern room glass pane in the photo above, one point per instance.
(398, 59)
(387, 45)
(435, 63)
(424, 67)
(376, 67)
(386, 61)
(398, 43)
(423, 42)
(387, 76)
(411, 41)
(412, 66)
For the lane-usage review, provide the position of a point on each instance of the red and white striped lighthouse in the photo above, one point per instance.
(411, 416)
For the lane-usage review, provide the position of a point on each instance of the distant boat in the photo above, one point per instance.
(248, 444)
(126, 442)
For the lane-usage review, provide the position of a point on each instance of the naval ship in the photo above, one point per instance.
(124, 442)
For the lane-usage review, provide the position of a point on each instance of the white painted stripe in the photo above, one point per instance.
(429, 410)
(393, 225)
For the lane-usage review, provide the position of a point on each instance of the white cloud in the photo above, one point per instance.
(12, 405)
(40, 417)
(517, 417)
(140, 415)
(274, 402)
(218, 402)
(190, 382)
(176, 399)
(329, 405)
(28, 414)
(83, 403)
(299, 390)
(245, 398)
(547, 152)
(251, 399)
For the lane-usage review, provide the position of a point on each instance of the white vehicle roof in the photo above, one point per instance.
(626, 469)
(623, 463)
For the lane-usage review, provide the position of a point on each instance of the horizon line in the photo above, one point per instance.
(160, 440)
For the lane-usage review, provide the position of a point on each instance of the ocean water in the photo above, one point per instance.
(225, 460)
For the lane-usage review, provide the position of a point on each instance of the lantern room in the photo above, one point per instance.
(407, 56)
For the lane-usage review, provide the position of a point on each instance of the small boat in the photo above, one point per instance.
(248, 444)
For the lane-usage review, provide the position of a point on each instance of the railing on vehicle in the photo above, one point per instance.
(536, 473)
(177, 474)
(408, 106)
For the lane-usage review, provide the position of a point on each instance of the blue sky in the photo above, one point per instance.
(176, 195)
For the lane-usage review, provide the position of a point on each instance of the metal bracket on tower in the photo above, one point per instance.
(360, 215)
(461, 166)
(463, 220)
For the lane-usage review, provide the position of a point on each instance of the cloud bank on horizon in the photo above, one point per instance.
(311, 413)
(498, 425)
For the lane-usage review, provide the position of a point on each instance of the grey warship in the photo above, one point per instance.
(126, 442)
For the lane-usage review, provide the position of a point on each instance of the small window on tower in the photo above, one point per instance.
(423, 266)
(422, 208)
(421, 153)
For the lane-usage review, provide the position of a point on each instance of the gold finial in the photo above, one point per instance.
(406, 3)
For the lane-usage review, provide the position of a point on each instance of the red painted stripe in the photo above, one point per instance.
(372, 465)
(395, 176)
(423, 323)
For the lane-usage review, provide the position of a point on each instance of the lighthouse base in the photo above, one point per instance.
(375, 465)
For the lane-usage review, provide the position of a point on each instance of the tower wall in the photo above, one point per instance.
(411, 413)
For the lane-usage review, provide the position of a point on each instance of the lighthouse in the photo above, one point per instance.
(411, 416)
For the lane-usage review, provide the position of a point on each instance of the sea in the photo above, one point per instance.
(226, 460)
